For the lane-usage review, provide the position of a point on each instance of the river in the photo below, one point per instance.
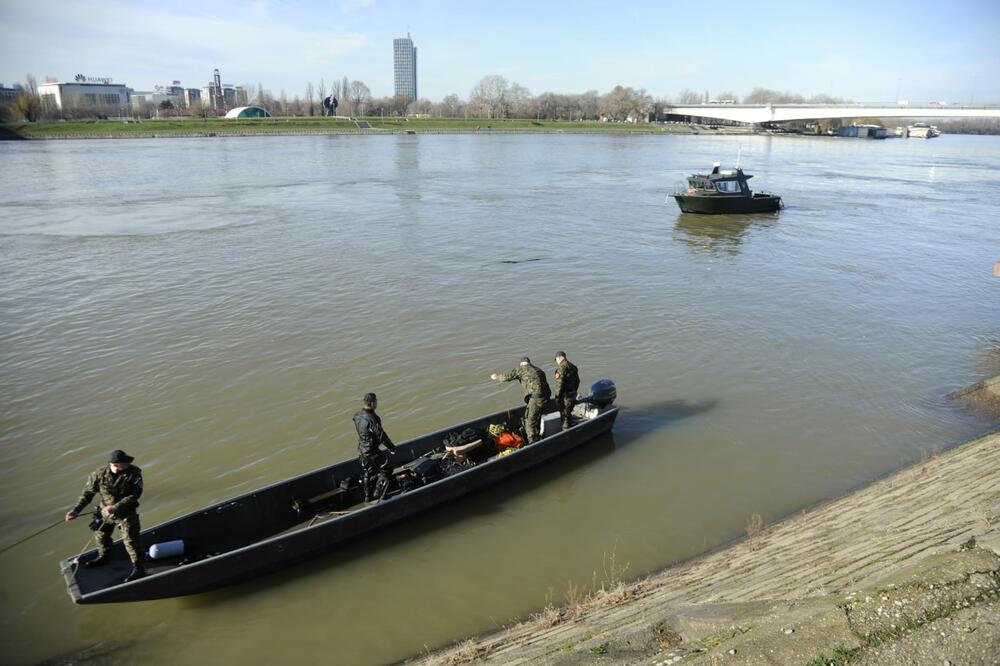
(217, 307)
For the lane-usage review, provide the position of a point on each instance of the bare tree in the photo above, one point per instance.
(827, 99)
(489, 98)
(589, 105)
(768, 96)
(688, 96)
(262, 97)
(450, 107)
(399, 104)
(320, 96)
(379, 106)
(659, 105)
(360, 95)
(422, 107)
(548, 106)
(202, 109)
(519, 101)
(310, 106)
(625, 104)
(345, 96)
(28, 103)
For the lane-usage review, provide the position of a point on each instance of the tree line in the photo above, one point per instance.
(493, 97)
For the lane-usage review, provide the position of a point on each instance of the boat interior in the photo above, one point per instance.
(320, 495)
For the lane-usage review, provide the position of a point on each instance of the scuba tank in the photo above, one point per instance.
(161, 551)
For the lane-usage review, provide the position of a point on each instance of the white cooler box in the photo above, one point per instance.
(551, 424)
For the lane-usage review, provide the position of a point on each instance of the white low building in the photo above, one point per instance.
(61, 96)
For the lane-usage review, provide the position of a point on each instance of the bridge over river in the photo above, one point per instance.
(777, 113)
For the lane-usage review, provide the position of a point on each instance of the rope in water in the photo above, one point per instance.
(76, 560)
(32, 536)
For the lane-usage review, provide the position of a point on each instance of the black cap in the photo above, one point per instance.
(119, 456)
(560, 354)
(369, 398)
(525, 359)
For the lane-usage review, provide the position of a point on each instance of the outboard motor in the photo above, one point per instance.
(602, 394)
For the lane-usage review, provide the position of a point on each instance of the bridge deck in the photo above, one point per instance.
(776, 113)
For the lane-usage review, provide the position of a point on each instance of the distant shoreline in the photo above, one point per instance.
(196, 128)
(217, 127)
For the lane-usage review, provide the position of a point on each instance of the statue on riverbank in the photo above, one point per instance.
(330, 104)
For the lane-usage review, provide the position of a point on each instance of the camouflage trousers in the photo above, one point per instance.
(566, 403)
(129, 528)
(533, 418)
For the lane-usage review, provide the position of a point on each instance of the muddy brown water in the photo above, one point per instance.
(217, 308)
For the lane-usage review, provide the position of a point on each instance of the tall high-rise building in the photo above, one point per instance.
(405, 60)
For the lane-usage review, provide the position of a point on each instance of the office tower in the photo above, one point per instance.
(405, 61)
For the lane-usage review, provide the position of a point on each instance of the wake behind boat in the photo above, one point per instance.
(724, 192)
(302, 517)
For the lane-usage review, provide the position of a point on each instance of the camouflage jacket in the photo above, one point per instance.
(532, 381)
(370, 432)
(567, 379)
(120, 491)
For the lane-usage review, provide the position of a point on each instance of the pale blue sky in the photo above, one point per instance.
(917, 50)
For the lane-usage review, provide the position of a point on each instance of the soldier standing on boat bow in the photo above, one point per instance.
(536, 394)
(567, 382)
(376, 467)
(119, 484)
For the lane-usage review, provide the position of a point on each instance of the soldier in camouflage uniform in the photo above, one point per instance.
(376, 467)
(567, 383)
(119, 484)
(536, 394)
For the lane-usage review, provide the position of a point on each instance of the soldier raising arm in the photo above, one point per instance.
(536, 393)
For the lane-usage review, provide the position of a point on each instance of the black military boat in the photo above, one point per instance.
(724, 192)
(299, 518)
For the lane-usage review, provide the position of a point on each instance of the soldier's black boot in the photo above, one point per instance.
(100, 560)
(138, 571)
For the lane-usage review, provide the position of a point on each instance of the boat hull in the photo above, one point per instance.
(271, 506)
(724, 205)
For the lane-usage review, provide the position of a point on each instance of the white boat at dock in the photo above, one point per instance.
(922, 131)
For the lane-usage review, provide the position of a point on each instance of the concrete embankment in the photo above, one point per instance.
(903, 571)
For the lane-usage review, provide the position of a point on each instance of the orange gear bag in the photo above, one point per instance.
(508, 440)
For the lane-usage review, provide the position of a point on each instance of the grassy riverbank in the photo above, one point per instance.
(84, 129)
(905, 570)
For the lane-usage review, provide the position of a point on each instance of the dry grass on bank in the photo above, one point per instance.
(466, 652)
(607, 590)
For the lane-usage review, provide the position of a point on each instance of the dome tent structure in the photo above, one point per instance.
(248, 112)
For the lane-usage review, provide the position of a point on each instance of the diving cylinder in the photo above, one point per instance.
(160, 551)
